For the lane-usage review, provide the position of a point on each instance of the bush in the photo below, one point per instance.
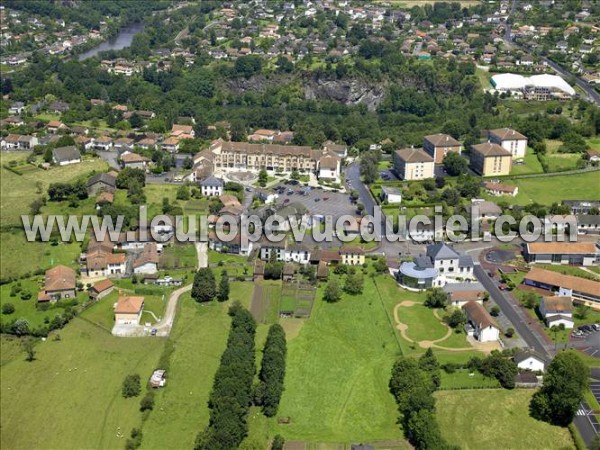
(147, 403)
(8, 308)
(131, 386)
(278, 442)
(495, 311)
(510, 332)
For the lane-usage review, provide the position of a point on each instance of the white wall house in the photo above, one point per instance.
(530, 361)
(212, 187)
(557, 310)
(510, 140)
(484, 329)
(297, 253)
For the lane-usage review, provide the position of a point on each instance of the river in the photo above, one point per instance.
(119, 42)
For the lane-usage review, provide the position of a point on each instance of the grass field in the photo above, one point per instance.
(177, 256)
(531, 164)
(77, 382)
(594, 143)
(338, 369)
(463, 379)
(546, 190)
(17, 192)
(181, 410)
(495, 419)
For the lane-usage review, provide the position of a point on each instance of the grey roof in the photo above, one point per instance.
(524, 354)
(423, 262)
(460, 287)
(411, 270)
(212, 181)
(588, 219)
(441, 251)
(391, 190)
(103, 178)
(465, 261)
(66, 153)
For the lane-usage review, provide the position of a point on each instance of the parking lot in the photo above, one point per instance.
(317, 201)
(595, 387)
(588, 342)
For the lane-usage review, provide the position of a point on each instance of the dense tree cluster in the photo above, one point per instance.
(499, 365)
(564, 385)
(204, 288)
(63, 191)
(412, 384)
(272, 371)
(231, 395)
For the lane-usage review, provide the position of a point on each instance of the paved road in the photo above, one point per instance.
(513, 313)
(164, 326)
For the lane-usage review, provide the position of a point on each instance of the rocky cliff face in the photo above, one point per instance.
(350, 91)
(347, 91)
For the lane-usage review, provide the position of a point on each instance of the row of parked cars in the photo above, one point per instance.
(584, 330)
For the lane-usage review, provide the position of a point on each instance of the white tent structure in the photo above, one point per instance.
(538, 87)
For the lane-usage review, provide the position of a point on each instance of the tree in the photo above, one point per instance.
(272, 371)
(136, 121)
(582, 311)
(29, 348)
(369, 166)
(436, 298)
(278, 442)
(429, 363)
(564, 386)
(131, 386)
(204, 288)
(456, 318)
(295, 175)
(510, 332)
(501, 367)
(223, 294)
(354, 283)
(495, 311)
(529, 300)
(147, 403)
(263, 177)
(333, 292)
(8, 308)
(183, 193)
(455, 164)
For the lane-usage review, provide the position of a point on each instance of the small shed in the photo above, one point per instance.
(288, 272)
(158, 378)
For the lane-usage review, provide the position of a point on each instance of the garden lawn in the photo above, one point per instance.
(463, 379)
(181, 410)
(28, 309)
(179, 255)
(76, 380)
(338, 369)
(391, 294)
(531, 164)
(495, 419)
(547, 190)
(594, 143)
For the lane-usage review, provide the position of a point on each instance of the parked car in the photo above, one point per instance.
(325, 198)
(317, 199)
(287, 200)
(153, 332)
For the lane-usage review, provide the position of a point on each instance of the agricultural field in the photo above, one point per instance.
(474, 420)
(82, 371)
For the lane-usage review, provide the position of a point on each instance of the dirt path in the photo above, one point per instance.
(402, 327)
(257, 305)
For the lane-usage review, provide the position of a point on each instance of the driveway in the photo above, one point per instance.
(164, 325)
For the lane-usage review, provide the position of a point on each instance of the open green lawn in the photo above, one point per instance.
(337, 374)
(18, 256)
(531, 164)
(178, 256)
(495, 419)
(594, 143)
(422, 324)
(17, 192)
(463, 379)
(181, 409)
(70, 396)
(546, 190)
